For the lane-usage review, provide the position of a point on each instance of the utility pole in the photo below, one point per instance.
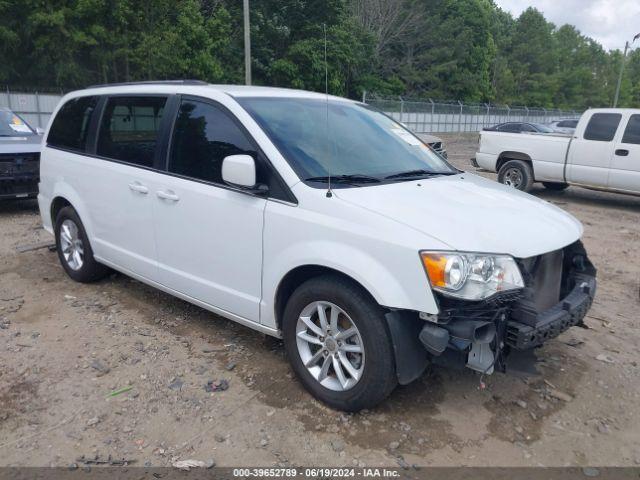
(627, 45)
(247, 45)
(624, 57)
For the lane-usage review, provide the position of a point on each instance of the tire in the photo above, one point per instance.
(377, 373)
(556, 187)
(74, 250)
(516, 174)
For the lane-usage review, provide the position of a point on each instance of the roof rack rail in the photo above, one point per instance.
(151, 82)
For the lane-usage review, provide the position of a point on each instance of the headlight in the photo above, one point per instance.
(471, 276)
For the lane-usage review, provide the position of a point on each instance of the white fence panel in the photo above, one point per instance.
(35, 108)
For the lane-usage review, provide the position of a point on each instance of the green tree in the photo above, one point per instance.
(467, 50)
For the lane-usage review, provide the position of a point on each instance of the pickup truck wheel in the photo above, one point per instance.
(337, 341)
(516, 174)
(555, 186)
(74, 250)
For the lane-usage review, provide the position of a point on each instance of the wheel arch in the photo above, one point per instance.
(64, 195)
(57, 204)
(506, 156)
(296, 277)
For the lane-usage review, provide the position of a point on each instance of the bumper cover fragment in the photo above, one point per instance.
(569, 312)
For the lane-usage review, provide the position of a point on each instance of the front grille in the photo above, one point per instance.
(542, 277)
(19, 163)
(438, 147)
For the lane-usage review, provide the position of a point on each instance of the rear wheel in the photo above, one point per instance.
(74, 250)
(555, 186)
(338, 343)
(516, 174)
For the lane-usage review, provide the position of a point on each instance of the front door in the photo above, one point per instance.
(209, 236)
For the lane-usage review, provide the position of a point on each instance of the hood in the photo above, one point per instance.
(28, 144)
(471, 213)
(425, 137)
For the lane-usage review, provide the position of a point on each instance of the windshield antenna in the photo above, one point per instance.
(326, 95)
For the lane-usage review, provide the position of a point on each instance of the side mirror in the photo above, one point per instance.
(240, 171)
(40, 131)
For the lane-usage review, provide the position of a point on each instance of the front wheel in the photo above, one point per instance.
(338, 343)
(516, 174)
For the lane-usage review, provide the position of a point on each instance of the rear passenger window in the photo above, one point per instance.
(70, 128)
(632, 132)
(602, 127)
(129, 129)
(203, 136)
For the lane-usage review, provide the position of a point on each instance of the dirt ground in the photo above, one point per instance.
(64, 347)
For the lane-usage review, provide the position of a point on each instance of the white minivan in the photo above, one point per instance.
(312, 218)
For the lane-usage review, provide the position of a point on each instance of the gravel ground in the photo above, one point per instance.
(64, 347)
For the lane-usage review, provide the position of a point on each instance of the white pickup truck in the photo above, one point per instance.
(603, 153)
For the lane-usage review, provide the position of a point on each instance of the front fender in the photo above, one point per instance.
(407, 288)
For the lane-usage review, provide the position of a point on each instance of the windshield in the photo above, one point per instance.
(11, 125)
(361, 144)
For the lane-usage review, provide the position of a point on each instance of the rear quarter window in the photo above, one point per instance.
(602, 127)
(70, 128)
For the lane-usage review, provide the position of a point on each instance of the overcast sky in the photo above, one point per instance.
(611, 22)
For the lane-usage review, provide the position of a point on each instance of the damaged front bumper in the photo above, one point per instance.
(559, 289)
(567, 313)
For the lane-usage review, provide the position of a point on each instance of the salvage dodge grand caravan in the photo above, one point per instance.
(311, 218)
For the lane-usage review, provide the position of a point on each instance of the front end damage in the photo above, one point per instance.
(559, 290)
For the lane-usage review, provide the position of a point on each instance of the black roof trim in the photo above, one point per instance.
(151, 82)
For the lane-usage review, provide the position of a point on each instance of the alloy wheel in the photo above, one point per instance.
(330, 345)
(71, 244)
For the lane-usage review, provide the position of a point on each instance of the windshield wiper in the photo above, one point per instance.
(353, 178)
(418, 173)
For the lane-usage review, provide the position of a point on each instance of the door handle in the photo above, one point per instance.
(138, 187)
(167, 195)
(622, 152)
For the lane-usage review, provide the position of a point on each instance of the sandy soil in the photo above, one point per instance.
(64, 347)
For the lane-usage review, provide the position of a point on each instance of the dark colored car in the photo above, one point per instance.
(19, 157)
(520, 127)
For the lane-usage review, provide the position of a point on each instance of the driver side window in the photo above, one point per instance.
(203, 136)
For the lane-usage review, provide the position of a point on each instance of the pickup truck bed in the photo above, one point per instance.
(548, 151)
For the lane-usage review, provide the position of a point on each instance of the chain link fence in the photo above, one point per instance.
(35, 107)
(421, 116)
(430, 116)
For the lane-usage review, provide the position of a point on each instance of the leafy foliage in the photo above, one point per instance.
(458, 49)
